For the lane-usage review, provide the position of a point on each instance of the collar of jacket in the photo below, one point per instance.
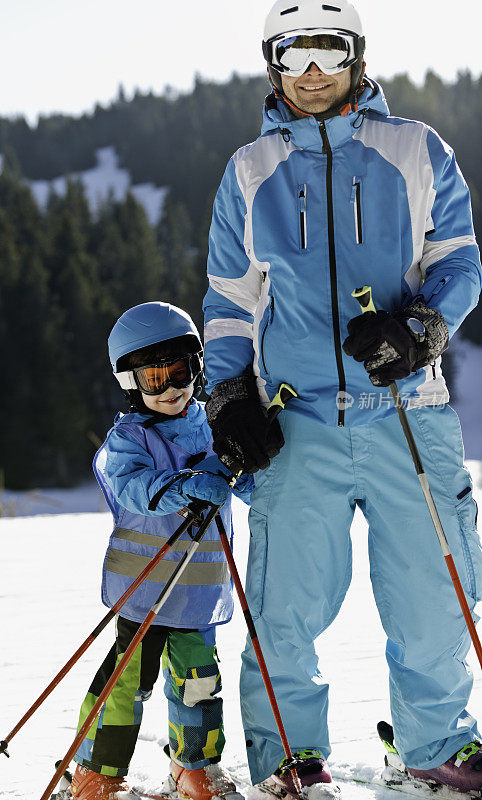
(305, 133)
(188, 427)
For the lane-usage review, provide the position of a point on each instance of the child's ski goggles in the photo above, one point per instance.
(292, 53)
(156, 378)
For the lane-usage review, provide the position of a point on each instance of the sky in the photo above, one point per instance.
(66, 55)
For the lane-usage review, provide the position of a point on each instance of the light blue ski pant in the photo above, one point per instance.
(299, 569)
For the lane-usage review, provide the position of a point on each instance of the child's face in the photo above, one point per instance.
(171, 402)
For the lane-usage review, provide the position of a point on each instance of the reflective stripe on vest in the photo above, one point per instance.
(153, 540)
(199, 574)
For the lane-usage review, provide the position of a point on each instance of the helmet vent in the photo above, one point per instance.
(330, 8)
(289, 10)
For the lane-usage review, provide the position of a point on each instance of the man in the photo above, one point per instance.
(337, 194)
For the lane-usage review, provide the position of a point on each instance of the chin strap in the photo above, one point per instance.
(289, 103)
(352, 104)
(278, 91)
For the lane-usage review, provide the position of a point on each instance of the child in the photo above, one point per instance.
(157, 357)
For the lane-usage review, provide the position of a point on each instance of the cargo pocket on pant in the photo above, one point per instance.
(256, 569)
(466, 510)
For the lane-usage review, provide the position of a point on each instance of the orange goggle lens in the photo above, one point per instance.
(156, 378)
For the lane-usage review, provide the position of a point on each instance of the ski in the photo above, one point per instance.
(169, 796)
(64, 793)
(320, 791)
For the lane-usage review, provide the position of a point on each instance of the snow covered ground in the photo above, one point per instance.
(83, 498)
(49, 602)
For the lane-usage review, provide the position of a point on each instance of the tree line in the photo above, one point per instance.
(66, 274)
(65, 277)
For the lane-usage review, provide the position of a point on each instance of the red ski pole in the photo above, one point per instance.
(284, 394)
(257, 649)
(98, 629)
(364, 297)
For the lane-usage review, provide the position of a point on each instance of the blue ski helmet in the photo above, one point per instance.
(148, 324)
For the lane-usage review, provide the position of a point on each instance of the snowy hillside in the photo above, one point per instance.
(49, 602)
(104, 180)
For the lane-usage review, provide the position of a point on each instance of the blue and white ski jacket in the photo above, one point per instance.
(307, 213)
(133, 464)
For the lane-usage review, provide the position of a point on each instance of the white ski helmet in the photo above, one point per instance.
(339, 18)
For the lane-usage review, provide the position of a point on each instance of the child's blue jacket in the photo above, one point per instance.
(136, 460)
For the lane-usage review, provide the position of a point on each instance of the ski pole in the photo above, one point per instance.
(98, 629)
(259, 653)
(285, 392)
(121, 666)
(364, 297)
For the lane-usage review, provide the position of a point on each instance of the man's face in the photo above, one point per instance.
(314, 91)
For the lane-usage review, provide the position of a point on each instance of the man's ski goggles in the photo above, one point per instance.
(331, 50)
(156, 378)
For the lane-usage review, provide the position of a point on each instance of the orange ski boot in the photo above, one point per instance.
(209, 783)
(89, 785)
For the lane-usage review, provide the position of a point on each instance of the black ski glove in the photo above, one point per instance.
(394, 345)
(242, 436)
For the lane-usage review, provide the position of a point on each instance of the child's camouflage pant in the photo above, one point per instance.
(192, 686)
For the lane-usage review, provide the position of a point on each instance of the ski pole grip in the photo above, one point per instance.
(284, 393)
(364, 297)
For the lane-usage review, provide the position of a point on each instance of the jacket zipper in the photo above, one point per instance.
(333, 278)
(440, 285)
(302, 213)
(270, 319)
(357, 210)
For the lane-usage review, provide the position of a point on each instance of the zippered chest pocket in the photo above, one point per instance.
(302, 217)
(356, 201)
(268, 322)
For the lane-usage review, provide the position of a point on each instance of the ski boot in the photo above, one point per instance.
(208, 783)
(312, 772)
(88, 785)
(462, 772)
